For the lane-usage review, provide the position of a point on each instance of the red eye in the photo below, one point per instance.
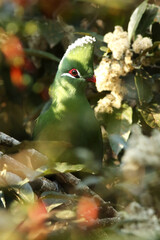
(74, 72)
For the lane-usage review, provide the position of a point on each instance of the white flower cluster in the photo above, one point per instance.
(110, 70)
(118, 42)
(142, 150)
(146, 222)
(140, 44)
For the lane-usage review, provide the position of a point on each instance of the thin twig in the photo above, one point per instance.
(79, 186)
(83, 189)
(66, 228)
(42, 184)
(105, 222)
(7, 140)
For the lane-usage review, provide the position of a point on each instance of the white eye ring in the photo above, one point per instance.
(67, 74)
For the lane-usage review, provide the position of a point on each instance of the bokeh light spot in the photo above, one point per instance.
(27, 79)
(13, 51)
(31, 28)
(17, 77)
(87, 210)
(12, 28)
(38, 87)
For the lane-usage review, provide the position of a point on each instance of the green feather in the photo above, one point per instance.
(69, 117)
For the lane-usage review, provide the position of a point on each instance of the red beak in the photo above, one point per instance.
(92, 79)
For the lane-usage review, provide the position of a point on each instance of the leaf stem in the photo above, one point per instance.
(41, 54)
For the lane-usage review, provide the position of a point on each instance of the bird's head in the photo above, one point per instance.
(76, 66)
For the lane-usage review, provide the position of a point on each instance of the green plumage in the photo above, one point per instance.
(69, 117)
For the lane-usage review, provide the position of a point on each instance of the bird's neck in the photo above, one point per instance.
(66, 97)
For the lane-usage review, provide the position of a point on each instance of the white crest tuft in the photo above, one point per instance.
(80, 42)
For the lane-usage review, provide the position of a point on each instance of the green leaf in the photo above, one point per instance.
(143, 82)
(52, 31)
(55, 199)
(131, 94)
(58, 196)
(62, 167)
(26, 193)
(65, 167)
(119, 123)
(147, 19)
(135, 19)
(151, 115)
(156, 31)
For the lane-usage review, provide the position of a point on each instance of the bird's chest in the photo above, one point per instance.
(75, 125)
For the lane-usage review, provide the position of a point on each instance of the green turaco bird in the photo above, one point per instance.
(69, 117)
